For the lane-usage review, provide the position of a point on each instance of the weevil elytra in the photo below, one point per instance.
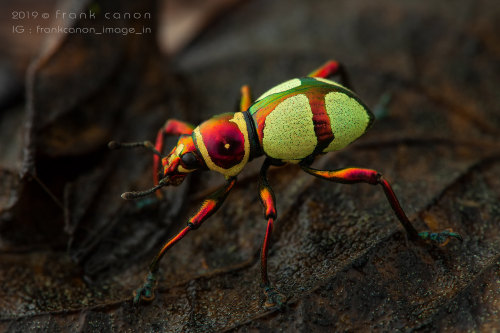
(292, 122)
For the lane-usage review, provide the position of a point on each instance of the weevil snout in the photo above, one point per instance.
(182, 160)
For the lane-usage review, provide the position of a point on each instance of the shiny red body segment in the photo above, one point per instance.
(226, 146)
(225, 143)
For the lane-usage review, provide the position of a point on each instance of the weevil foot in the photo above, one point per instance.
(381, 109)
(442, 237)
(147, 291)
(273, 298)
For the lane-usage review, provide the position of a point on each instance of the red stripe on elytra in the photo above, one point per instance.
(260, 118)
(321, 120)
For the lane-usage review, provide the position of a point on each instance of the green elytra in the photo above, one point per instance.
(289, 117)
(292, 122)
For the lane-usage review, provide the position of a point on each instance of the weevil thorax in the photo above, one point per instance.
(182, 160)
(223, 143)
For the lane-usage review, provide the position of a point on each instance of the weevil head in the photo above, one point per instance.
(223, 143)
(182, 160)
(220, 144)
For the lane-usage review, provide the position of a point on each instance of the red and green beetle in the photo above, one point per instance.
(291, 123)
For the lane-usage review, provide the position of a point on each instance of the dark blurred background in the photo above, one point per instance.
(72, 251)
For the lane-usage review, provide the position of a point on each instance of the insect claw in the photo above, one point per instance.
(137, 296)
(146, 291)
(274, 298)
(442, 237)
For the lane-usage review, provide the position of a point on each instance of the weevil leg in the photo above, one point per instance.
(209, 207)
(358, 175)
(268, 200)
(246, 98)
(176, 127)
(172, 127)
(330, 68)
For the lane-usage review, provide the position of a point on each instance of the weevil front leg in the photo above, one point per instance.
(209, 207)
(172, 127)
(330, 68)
(358, 175)
(268, 200)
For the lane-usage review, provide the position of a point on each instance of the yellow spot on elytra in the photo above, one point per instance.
(289, 130)
(226, 146)
(348, 119)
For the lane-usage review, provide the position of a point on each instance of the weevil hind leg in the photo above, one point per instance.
(211, 204)
(331, 68)
(358, 175)
(266, 195)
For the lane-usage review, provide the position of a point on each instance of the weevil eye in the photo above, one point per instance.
(190, 161)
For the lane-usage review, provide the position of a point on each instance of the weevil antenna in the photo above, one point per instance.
(135, 195)
(129, 145)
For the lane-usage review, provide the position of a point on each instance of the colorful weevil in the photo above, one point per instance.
(291, 123)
